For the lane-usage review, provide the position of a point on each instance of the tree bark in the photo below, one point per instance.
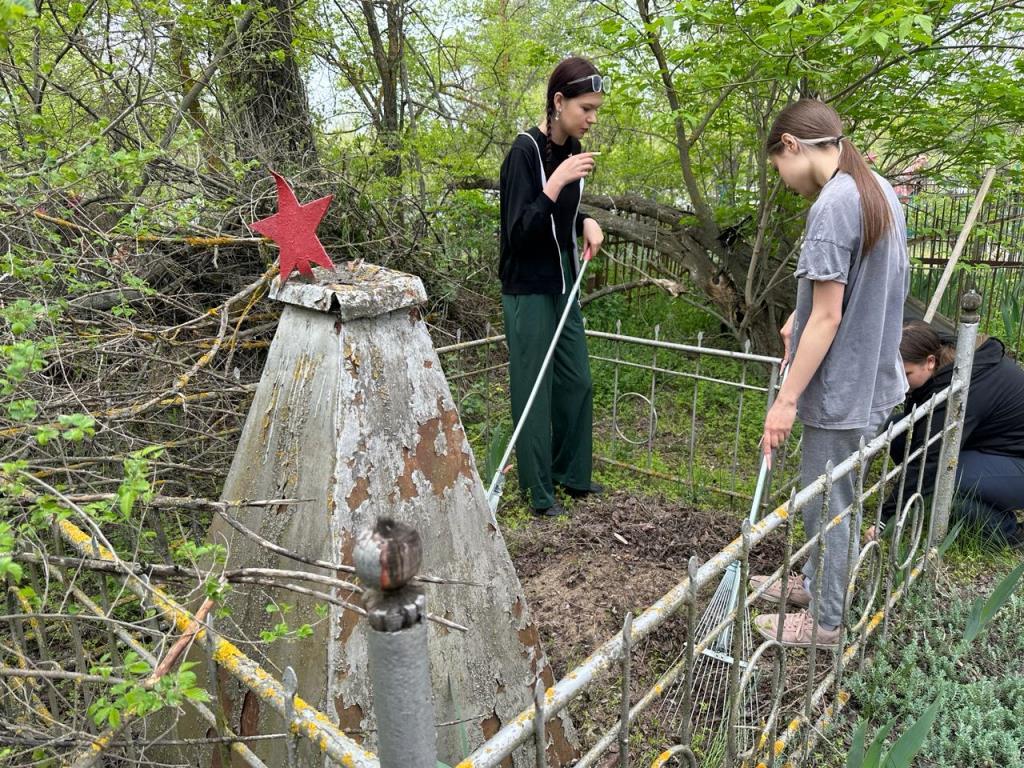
(388, 61)
(269, 116)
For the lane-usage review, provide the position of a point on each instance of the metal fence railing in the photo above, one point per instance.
(992, 262)
(679, 414)
(878, 580)
(709, 390)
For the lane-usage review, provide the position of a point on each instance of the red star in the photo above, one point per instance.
(293, 228)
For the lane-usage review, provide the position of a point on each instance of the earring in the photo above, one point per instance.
(558, 115)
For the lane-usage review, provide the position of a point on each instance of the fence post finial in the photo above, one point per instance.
(970, 303)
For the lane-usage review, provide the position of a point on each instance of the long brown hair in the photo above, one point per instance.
(920, 341)
(810, 119)
(561, 81)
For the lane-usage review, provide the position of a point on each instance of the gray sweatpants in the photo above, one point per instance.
(819, 447)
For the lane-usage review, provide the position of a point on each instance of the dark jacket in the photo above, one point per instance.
(993, 421)
(535, 230)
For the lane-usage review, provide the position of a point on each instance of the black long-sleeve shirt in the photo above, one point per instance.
(535, 230)
(993, 420)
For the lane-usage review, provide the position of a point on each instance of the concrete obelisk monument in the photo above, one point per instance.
(353, 413)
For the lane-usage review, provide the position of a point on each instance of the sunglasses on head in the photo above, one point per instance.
(598, 83)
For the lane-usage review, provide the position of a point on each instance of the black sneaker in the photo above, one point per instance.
(595, 489)
(555, 510)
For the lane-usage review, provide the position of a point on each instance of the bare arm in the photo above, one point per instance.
(815, 340)
(817, 337)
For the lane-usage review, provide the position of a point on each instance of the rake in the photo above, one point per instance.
(710, 697)
(498, 481)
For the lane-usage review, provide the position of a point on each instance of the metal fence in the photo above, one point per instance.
(699, 388)
(992, 262)
(624, 261)
(662, 409)
(787, 725)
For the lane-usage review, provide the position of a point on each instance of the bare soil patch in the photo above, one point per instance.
(616, 554)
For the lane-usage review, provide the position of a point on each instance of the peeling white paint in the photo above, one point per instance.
(362, 432)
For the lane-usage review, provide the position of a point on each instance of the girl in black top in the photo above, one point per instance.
(990, 468)
(541, 188)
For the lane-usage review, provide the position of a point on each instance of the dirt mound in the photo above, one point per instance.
(615, 554)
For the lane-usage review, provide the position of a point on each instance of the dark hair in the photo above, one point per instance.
(561, 81)
(920, 341)
(810, 119)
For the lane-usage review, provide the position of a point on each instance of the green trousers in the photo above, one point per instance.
(556, 444)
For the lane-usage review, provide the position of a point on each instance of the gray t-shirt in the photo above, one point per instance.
(862, 372)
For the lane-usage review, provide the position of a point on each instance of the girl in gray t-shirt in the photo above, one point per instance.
(842, 341)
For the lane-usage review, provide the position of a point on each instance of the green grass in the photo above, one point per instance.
(713, 410)
(974, 557)
(981, 720)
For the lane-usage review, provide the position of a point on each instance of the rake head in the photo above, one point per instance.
(711, 697)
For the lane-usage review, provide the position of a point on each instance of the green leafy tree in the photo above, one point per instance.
(697, 85)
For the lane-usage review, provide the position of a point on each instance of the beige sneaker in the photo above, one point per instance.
(796, 595)
(796, 630)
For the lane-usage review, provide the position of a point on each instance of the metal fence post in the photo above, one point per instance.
(945, 480)
(386, 559)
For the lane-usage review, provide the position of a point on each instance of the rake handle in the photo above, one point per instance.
(498, 481)
(762, 474)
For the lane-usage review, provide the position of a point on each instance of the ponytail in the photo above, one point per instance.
(876, 214)
(815, 123)
(549, 119)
